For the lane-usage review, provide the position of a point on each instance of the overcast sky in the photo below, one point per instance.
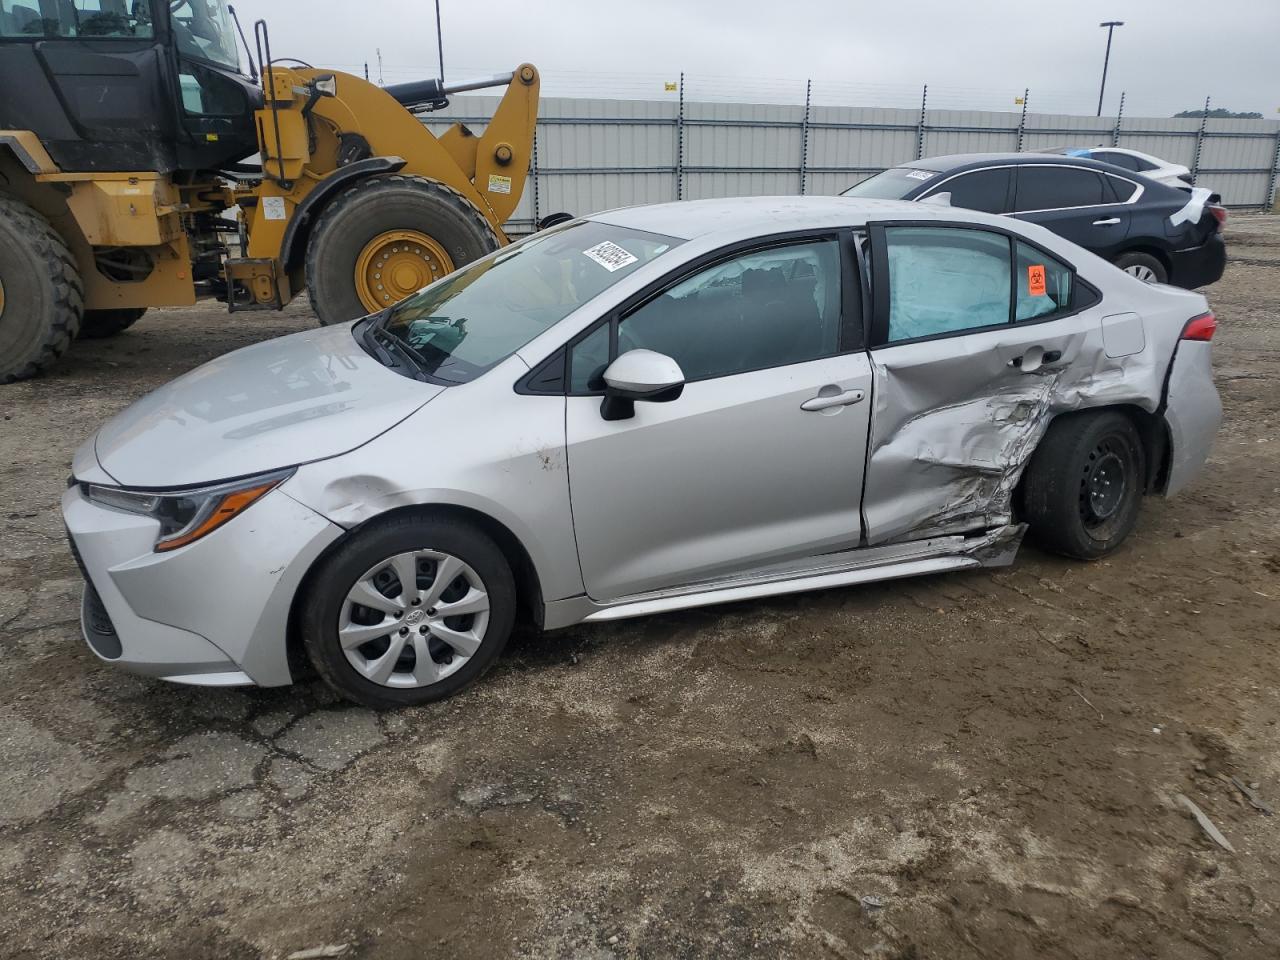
(972, 53)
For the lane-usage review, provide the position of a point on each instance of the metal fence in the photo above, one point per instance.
(594, 154)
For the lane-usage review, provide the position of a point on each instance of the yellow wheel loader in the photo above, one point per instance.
(126, 131)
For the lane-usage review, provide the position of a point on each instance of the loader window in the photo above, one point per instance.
(478, 316)
(75, 18)
(203, 29)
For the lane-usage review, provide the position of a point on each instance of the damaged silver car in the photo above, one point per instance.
(646, 410)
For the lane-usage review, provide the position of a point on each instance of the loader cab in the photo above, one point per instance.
(127, 85)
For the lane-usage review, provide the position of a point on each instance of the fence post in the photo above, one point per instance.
(1022, 123)
(534, 176)
(1270, 199)
(680, 143)
(1204, 120)
(1115, 131)
(804, 136)
(924, 100)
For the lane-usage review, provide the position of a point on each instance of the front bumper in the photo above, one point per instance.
(214, 612)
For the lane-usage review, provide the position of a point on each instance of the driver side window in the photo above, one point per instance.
(766, 308)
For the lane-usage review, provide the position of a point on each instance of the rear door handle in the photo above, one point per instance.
(1109, 222)
(836, 400)
(1032, 363)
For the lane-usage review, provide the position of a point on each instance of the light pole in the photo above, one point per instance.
(1111, 26)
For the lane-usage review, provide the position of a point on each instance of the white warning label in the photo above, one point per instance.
(610, 256)
(273, 208)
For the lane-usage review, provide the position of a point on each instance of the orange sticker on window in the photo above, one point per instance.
(1035, 280)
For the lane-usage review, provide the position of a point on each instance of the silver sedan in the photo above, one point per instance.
(649, 409)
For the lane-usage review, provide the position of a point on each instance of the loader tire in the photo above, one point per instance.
(385, 238)
(100, 324)
(41, 293)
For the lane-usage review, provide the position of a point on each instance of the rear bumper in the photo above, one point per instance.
(1199, 266)
(1192, 413)
(215, 612)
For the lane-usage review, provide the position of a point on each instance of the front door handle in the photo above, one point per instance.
(1109, 222)
(836, 400)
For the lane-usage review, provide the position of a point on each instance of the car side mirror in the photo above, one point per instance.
(939, 199)
(639, 375)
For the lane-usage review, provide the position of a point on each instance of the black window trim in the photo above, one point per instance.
(1019, 167)
(878, 331)
(851, 306)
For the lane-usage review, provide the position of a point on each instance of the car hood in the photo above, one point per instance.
(295, 399)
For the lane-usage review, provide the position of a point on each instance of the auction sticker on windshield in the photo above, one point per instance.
(610, 256)
(920, 175)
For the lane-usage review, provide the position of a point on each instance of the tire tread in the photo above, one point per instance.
(68, 287)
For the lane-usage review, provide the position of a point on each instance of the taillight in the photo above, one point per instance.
(1219, 214)
(1201, 328)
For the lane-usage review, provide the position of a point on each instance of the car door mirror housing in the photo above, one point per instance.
(639, 375)
(939, 199)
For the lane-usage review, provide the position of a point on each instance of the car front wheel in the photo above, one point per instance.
(1083, 487)
(408, 611)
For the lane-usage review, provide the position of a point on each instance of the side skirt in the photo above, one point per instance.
(995, 548)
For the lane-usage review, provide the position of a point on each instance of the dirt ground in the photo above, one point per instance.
(972, 765)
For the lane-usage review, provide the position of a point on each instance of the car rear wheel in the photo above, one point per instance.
(1083, 488)
(1143, 266)
(408, 611)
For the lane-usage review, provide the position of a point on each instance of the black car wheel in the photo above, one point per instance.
(1143, 266)
(1083, 488)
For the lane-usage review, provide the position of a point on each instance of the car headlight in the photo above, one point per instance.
(187, 515)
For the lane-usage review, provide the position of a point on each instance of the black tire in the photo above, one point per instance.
(41, 293)
(100, 324)
(336, 574)
(1136, 261)
(1069, 492)
(375, 206)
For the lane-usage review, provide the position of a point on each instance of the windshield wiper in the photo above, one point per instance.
(392, 352)
(402, 350)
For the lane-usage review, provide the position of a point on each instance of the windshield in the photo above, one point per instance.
(892, 184)
(475, 318)
(203, 29)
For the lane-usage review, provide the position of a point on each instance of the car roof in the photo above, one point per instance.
(960, 161)
(749, 216)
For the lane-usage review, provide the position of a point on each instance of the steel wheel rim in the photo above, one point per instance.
(1142, 272)
(1103, 485)
(411, 638)
(396, 264)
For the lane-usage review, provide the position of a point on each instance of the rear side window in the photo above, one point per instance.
(1118, 159)
(1044, 284)
(986, 190)
(1052, 188)
(945, 280)
(1124, 189)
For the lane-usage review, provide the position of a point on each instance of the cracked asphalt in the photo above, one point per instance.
(982, 764)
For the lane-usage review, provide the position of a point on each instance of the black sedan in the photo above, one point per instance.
(1155, 232)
